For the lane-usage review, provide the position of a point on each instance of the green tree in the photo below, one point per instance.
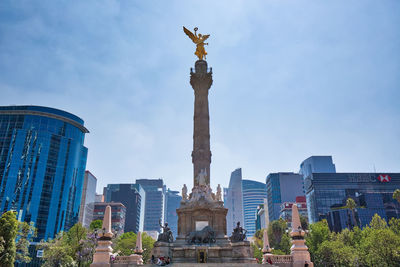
(8, 232)
(285, 244)
(96, 225)
(275, 231)
(304, 222)
(25, 234)
(394, 225)
(377, 222)
(75, 247)
(257, 253)
(380, 247)
(56, 253)
(351, 205)
(125, 244)
(335, 253)
(319, 232)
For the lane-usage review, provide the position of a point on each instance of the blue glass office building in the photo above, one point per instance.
(326, 195)
(173, 202)
(254, 194)
(133, 197)
(42, 165)
(282, 187)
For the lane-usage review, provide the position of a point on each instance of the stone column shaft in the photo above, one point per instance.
(201, 81)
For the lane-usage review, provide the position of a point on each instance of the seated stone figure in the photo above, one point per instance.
(166, 235)
(239, 234)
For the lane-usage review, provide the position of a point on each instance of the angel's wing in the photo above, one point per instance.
(190, 34)
(205, 37)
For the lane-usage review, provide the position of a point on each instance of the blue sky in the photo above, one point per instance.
(291, 79)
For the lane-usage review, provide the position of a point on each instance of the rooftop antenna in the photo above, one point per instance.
(374, 168)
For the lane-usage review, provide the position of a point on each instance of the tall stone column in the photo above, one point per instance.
(201, 81)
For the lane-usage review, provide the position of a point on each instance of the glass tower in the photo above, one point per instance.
(155, 203)
(42, 165)
(88, 199)
(173, 201)
(254, 194)
(233, 201)
(133, 198)
(282, 187)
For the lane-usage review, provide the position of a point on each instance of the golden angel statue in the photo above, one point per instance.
(198, 39)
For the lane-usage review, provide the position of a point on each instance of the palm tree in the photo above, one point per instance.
(351, 205)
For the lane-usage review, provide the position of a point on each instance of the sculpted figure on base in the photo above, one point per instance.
(166, 235)
(206, 235)
(239, 234)
(184, 192)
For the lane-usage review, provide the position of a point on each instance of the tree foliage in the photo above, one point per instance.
(396, 195)
(304, 222)
(75, 247)
(276, 229)
(96, 225)
(8, 233)
(319, 232)
(26, 232)
(375, 245)
(125, 245)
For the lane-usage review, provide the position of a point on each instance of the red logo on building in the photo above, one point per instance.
(384, 178)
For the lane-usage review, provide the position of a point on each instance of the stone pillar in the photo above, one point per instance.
(201, 80)
(138, 249)
(299, 250)
(266, 248)
(101, 257)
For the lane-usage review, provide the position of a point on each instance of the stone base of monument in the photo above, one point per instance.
(125, 261)
(202, 233)
(220, 252)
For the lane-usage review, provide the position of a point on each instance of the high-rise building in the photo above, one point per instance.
(326, 195)
(233, 201)
(254, 194)
(88, 199)
(282, 187)
(316, 164)
(132, 196)
(173, 201)
(155, 203)
(118, 214)
(42, 166)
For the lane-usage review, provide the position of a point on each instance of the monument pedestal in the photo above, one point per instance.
(101, 257)
(194, 215)
(202, 210)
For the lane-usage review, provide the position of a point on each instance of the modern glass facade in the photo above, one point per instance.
(254, 194)
(88, 199)
(233, 201)
(132, 196)
(282, 187)
(155, 203)
(173, 202)
(315, 164)
(42, 165)
(326, 195)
